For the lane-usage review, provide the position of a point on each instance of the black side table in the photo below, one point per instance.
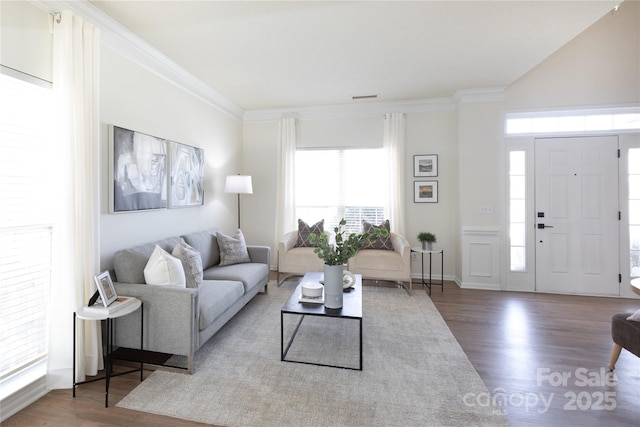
(84, 314)
(424, 252)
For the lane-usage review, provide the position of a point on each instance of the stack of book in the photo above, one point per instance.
(118, 304)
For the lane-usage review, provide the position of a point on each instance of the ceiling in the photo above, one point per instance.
(283, 54)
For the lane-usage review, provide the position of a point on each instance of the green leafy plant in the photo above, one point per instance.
(425, 236)
(346, 245)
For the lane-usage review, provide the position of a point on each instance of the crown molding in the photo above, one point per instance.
(480, 95)
(351, 111)
(122, 40)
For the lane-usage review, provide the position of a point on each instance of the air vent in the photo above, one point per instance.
(359, 97)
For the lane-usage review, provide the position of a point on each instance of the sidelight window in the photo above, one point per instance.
(634, 211)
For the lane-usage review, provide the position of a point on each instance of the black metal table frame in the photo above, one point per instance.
(431, 282)
(108, 361)
(284, 351)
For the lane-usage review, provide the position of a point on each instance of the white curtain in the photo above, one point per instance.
(285, 188)
(393, 145)
(76, 259)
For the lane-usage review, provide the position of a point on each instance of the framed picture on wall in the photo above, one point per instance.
(425, 165)
(425, 192)
(138, 171)
(187, 175)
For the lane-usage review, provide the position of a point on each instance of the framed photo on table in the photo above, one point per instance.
(425, 192)
(105, 288)
(425, 165)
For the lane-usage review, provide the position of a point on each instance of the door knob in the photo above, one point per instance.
(541, 226)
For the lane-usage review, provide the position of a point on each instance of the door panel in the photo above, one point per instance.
(577, 215)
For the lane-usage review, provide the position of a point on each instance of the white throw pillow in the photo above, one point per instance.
(233, 250)
(635, 316)
(164, 270)
(191, 262)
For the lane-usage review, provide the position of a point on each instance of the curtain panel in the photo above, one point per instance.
(76, 259)
(285, 188)
(393, 144)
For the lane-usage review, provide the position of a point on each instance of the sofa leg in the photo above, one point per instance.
(190, 366)
(615, 353)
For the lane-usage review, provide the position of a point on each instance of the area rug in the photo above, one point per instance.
(414, 371)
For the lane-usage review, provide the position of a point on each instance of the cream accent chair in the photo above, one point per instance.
(383, 264)
(296, 261)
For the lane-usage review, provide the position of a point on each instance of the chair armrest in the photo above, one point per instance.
(401, 245)
(288, 242)
(171, 319)
(261, 254)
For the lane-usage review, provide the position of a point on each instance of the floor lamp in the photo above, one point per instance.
(240, 184)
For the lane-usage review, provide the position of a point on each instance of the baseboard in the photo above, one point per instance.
(22, 398)
(482, 286)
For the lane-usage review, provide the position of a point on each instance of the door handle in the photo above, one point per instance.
(541, 226)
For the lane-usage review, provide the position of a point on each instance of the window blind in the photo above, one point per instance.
(26, 163)
(336, 184)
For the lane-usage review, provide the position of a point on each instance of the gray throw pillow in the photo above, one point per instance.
(191, 261)
(305, 230)
(381, 242)
(233, 250)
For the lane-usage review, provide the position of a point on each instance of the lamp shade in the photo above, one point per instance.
(240, 184)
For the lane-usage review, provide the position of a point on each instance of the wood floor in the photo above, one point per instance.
(544, 355)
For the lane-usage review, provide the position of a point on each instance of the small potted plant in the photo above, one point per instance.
(427, 239)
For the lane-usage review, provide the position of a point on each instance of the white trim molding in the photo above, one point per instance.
(480, 95)
(481, 258)
(351, 111)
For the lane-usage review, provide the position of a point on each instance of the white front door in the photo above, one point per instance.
(577, 215)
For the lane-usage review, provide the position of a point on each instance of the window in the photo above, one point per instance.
(573, 121)
(634, 211)
(25, 224)
(517, 210)
(336, 184)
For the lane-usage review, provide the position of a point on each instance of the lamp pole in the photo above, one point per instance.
(239, 184)
(238, 210)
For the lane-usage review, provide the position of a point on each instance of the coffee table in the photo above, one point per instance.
(351, 309)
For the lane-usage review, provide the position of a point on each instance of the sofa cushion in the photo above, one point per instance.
(163, 269)
(215, 298)
(379, 259)
(191, 262)
(250, 274)
(381, 242)
(233, 250)
(305, 230)
(206, 244)
(128, 264)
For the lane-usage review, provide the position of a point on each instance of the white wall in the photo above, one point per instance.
(259, 159)
(24, 28)
(433, 132)
(598, 68)
(427, 132)
(134, 98)
(601, 66)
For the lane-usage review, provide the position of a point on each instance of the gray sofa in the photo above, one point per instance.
(180, 320)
